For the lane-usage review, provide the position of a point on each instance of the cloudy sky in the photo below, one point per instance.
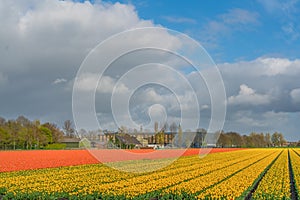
(255, 45)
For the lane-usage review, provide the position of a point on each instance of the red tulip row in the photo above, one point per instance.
(38, 159)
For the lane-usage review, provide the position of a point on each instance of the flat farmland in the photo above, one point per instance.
(37, 159)
(221, 174)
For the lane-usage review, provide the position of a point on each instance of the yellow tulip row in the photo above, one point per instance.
(186, 163)
(276, 182)
(173, 174)
(233, 187)
(228, 173)
(171, 179)
(66, 179)
(295, 159)
(198, 184)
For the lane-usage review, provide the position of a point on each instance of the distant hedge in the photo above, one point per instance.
(56, 146)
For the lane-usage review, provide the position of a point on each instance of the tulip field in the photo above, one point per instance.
(270, 173)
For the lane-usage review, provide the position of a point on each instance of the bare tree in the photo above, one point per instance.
(2, 121)
(13, 132)
(275, 139)
(268, 139)
(173, 127)
(68, 128)
(155, 127)
(164, 127)
(23, 121)
(82, 133)
(281, 139)
(180, 136)
(36, 132)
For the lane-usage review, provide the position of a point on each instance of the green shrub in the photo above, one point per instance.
(56, 146)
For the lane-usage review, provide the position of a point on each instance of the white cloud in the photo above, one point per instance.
(295, 94)
(225, 24)
(280, 117)
(172, 102)
(270, 80)
(60, 33)
(86, 82)
(263, 66)
(248, 96)
(59, 80)
(204, 107)
(287, 14)
(277, 66)
(179, 20)
(105, 84)
(274, 66)
(291, 31)
(277, 6)
(157, 113)
(249, 121)
(266, 120)
(108, 18)
(42, 40)
(239, 16)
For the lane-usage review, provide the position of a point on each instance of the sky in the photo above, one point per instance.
(255, 45)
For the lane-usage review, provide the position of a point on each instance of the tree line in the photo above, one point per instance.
(21, 133)
(233, 139)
